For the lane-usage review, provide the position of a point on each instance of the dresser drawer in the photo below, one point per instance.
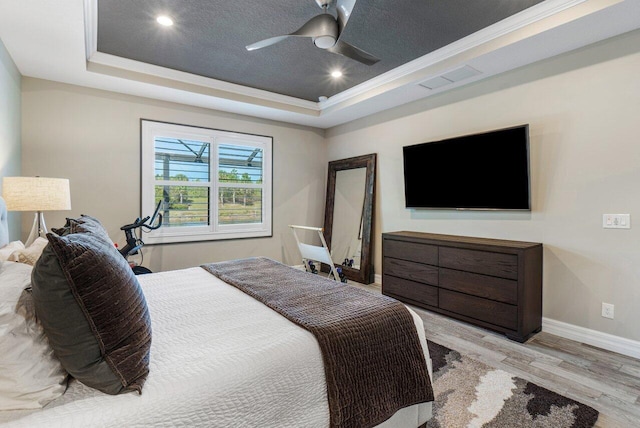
(410, 270)
(490, 287)
(484, 262)
(496, 313)
(413, 251)
(417, 291)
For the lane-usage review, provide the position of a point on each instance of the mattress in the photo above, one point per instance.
(219, 358)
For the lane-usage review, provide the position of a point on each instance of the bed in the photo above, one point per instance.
(219, 358)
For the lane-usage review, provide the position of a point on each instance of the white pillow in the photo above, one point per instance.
(8, 249)
(31, 254)
(31, 376)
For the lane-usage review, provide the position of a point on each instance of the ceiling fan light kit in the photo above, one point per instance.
(324, 42)
(325, 31)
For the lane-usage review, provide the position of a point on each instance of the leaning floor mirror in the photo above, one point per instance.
(348, 218)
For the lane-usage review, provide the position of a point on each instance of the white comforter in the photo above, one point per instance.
(218, 359)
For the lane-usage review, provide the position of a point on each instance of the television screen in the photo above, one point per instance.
(481, 171)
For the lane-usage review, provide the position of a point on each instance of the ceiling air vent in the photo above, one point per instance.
(450, 77)
(436, 82)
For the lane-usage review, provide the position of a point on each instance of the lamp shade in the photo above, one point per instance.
(36, 193)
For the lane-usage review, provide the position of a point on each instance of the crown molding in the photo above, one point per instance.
(513, 23)
(147, 73)
(112, 65)
(208, 86)
(527, 29)
(90, 27)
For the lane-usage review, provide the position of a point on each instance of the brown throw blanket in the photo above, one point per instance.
(373, 361)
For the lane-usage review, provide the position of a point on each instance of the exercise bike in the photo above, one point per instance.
(134, 243)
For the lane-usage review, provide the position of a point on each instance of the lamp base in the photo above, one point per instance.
(39, 228)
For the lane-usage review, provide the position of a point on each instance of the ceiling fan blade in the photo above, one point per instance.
(344, 7)
(319, 25)
(266, 42)
(350, 51)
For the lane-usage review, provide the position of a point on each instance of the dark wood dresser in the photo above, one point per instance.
(491, 283)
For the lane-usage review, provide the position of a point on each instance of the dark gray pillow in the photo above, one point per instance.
(92, 309)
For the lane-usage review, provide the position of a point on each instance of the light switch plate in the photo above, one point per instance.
(616, 221)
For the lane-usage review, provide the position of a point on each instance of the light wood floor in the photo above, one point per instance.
(607, 381)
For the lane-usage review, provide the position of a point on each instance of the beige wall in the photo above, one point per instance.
(584, 114)
(585, 161)
(9, 128)
(92, 137)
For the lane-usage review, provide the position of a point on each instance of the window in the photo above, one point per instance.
(210, 184)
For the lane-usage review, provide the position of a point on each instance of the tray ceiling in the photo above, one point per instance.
(425, 47)
(208, 38)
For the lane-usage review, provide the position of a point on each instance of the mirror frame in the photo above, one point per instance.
(365, 274)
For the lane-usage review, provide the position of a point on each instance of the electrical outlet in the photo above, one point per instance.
(607, 310)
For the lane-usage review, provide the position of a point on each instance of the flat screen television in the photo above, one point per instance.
(488, 171)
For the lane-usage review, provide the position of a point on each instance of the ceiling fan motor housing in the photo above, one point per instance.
(326, 31)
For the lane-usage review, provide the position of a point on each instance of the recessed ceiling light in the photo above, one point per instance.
(164, 20)
(336, 73)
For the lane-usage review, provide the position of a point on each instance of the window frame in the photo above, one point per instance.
(151, 129)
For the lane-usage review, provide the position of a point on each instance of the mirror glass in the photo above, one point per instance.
(348, 204)
(348, 217)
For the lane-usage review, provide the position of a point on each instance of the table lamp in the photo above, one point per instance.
(36, 194)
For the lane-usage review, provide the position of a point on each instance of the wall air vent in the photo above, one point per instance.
(453, 76)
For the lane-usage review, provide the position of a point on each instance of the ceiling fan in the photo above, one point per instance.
(325, 31)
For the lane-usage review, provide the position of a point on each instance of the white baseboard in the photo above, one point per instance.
(377, 279)
(606, 341)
